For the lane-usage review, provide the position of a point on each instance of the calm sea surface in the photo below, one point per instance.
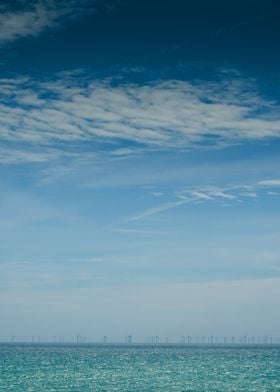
(138, 368)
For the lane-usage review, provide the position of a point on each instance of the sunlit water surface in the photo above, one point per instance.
(138, 368)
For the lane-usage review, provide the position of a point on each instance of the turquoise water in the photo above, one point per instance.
(138, 368)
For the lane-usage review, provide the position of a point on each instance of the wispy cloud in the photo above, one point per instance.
(30, 18)
(67, 113)
(190, 195)
(160, 208)
(275, 182)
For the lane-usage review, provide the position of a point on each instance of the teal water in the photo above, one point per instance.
(138, 368)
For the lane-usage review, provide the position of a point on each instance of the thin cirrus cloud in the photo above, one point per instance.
(226, 194)
(275, 182)
(31, 18)
(71, 112)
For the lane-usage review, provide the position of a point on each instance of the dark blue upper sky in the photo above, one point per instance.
(201, 35)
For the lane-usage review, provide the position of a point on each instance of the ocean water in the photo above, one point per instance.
(136, 368)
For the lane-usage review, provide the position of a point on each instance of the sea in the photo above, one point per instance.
(139, 368)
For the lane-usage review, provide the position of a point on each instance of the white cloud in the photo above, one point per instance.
(157, 194)
(160, 208)
(270, 183)
(161, 115)
(201, 195)
(34, 17)
(223, 195)
(205, 194)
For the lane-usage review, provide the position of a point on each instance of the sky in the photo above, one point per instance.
(139, 168)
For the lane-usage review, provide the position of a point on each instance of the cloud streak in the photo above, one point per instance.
(31, 18)
(212, 194)
(67, 112)
(160, 208)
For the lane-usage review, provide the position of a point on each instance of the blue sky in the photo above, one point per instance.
(139, 166)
